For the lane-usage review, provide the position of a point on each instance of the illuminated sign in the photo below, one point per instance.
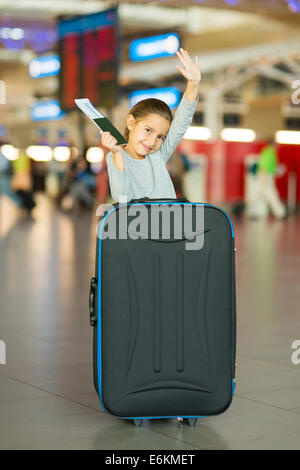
(46, 111)
(19, 33)
(154, 47)
(46, 66)
(294, 5)
(170, 95)
(88, 48)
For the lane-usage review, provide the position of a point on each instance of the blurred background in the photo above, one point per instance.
(241, 153)
(115, 53)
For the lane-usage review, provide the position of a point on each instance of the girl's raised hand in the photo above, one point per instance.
(191, 69)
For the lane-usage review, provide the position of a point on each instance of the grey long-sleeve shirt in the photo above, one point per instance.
(149, 177)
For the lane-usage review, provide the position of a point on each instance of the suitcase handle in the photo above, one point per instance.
(147, 199)
(188, 237)
(93, 315)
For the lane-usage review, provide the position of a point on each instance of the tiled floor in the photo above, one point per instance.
(47, 399)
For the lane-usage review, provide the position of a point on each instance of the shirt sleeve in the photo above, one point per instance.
(181, 122)
(118, 180)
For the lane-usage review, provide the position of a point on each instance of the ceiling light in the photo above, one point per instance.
(197, 133)
(9, 151)
(61, 153)
(94, 155)
(287, 137)
(39, 153)
(238, 135)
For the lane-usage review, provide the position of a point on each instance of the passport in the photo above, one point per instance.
(99, 119)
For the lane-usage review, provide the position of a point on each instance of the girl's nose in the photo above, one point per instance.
(152, 142)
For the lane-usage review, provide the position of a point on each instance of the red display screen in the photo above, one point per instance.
(88, 48)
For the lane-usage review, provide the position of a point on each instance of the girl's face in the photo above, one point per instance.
(147, 135)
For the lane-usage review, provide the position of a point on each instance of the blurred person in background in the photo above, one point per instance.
(176, 168)
(66, 180)
(21, 182)
(264, 194)
(102, 184)
(38, 175)
(54, 175)
(6, 172)
(83, 185)
(78, 186)
(266, 191)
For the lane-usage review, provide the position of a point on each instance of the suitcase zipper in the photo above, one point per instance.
(93, 313)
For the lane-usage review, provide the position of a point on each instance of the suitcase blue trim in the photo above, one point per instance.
(99, 357)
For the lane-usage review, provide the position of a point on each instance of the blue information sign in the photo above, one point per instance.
(154, 47)
(170, 95)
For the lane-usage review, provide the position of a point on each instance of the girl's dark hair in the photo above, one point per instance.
(149, 106)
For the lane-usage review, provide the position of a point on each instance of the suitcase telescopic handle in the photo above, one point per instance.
(147, 199)
(93, 315)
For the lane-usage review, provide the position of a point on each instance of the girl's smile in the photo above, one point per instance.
(147, 148)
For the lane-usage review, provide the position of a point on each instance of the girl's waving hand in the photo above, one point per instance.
(191, 69)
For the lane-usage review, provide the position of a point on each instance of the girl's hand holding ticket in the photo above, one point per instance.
(109, 141)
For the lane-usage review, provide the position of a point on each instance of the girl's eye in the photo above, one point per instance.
(161, 136)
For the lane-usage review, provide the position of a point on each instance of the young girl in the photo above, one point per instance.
(139, 168)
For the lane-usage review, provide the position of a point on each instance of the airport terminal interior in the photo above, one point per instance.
(240, 153)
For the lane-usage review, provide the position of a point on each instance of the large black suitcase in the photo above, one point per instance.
(164, 317)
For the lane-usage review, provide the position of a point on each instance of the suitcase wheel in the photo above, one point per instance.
(191, 421)
(137, 422)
